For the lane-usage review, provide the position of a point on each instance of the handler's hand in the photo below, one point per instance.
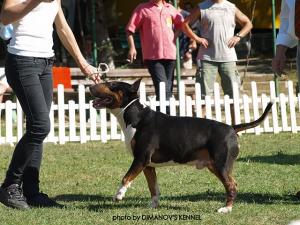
(131, 55)
(233, 41)
(91, 72)
(203, 42)
(278, 62)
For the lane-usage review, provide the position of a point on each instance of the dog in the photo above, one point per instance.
(156, 139)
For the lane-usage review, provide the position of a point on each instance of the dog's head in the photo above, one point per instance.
(114, 94)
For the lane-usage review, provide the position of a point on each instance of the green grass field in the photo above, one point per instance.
(84, 177)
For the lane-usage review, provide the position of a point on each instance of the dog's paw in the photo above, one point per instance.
(120, 194)
(225, 210)
(118, 197)
(154, 203)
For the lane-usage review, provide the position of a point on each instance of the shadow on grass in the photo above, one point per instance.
(126, 204)
(279, 158)
(105, 202)
(242, 197)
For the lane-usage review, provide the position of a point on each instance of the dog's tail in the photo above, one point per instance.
(245, 126)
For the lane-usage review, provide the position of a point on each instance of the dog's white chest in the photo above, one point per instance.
(128, 131)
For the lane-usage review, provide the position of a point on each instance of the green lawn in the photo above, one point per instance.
(84, 177)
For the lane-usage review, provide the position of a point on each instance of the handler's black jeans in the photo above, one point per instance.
(31, 80)
(162, 70)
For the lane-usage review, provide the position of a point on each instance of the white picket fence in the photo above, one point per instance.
(80, 122)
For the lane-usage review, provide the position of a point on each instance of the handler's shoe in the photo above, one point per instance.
(43, 201)
(12, 196)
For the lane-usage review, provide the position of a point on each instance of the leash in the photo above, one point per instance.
(129, 104)
(102, 70)
(249, 45)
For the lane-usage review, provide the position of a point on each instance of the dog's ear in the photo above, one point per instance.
(135, 86)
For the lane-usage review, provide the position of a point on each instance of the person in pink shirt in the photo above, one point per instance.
(156, 21)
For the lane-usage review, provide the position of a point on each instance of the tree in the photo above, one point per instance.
(105, 16)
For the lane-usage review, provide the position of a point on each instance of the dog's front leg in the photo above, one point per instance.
(136, 167)
(151, 178)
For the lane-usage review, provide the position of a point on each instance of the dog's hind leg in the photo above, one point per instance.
(136, 167)
(231, 190)
(229, 184)
(151, 178)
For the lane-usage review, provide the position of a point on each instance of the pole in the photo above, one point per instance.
(249, 45)
(274, 44)
(177, 56)
(94, 36)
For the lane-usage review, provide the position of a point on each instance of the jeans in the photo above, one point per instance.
(31, 80)
(162, 70)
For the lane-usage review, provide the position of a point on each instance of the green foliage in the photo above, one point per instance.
(84, 177)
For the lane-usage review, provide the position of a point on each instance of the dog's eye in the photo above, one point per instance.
(112, 86)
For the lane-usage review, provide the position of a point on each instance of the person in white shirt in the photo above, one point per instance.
(288, 36)
(28, 69)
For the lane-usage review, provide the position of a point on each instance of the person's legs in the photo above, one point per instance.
(27, 77)
(169, 66)
(158, 74)
(207, 77)
(31, 173)
(23, 74)
(229, 74)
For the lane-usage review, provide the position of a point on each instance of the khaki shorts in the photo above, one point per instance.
(208, 73)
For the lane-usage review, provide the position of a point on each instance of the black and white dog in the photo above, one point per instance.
(157, 139)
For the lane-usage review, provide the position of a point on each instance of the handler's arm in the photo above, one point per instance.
(191, 19)
(14, 10)
(246, 25)
(195, 14)
(244, 21)
(132, 50)
(68, 40)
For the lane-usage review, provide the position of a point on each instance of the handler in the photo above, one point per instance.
(28, 68)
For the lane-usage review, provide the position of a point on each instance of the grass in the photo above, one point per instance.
(84, 177)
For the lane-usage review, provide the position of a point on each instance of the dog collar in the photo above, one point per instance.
(130, 103)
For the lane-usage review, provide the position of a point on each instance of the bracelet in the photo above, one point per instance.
(238, 35)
